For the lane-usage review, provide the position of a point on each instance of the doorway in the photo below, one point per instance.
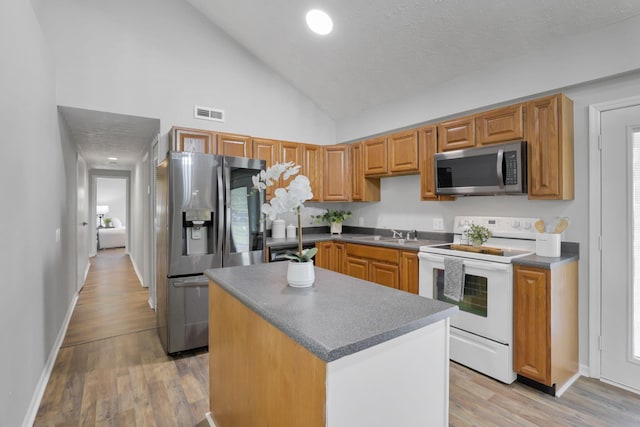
(112, 212)
(619, 335)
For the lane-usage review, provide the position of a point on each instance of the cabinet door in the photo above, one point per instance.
(267, 150)
(531, 324)
(234, 145)
(550, 136)
(384, 274)
(375, 156)
(192, 140)
(312, 168)
(336, 183)
(409, 272)
(290, 152)
(428, 147)
(357, 267)
(500, 125)
(362, 189)
(456, 134)
(324, 256)
(339, 256)
(402, 149)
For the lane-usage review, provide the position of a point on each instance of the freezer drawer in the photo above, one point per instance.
(187, 314)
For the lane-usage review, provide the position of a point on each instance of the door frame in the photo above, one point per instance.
(595, 226)
(108, 173)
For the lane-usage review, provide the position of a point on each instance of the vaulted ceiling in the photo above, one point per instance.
(383, 50)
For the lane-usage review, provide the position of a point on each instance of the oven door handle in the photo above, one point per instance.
(488, 266)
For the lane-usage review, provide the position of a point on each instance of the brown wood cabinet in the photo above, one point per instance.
(456, 134)
(267, 150)
(312, 168)
(376, 264)
(500, 125)
(375, 156)
(395, 154)
(330, 256)
(192, 140)
(289, 152)
(336, 184)
(409, 270)
(428, 139)
(363, 189)
(545, 324)
(234, 145)
(550, 137)
(402, 149)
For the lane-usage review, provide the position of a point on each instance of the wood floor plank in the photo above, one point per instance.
(112, 371)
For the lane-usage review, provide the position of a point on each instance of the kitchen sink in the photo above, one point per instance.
(383, 239)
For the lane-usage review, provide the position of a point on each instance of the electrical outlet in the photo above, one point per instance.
(361, 221)
(57, 235)
(438, 224)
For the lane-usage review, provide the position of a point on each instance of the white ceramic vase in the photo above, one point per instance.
(301, 274)
(336, 228)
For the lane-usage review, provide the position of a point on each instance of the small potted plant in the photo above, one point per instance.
(334, 218)
(107, 222)
(478, 234)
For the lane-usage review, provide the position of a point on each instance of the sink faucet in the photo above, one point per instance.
(397, 234)
(415, 235)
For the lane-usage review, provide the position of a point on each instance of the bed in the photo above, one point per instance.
(112, 237)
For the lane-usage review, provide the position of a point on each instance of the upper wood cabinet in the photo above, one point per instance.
(363, 189)
(234, 145)
(402, 149)
(375, 156)
(500, 125)
(312, 168)
(456, 134)
(192, 140)
(290, 152)
(267, 150)
(336, 184)
(395, 154)
(550, 138)
(545, 324)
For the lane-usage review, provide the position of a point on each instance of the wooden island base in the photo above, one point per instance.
(259, 376)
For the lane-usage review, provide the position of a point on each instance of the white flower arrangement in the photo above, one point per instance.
(289, 199)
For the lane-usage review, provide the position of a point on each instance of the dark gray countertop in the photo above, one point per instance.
(569, 252)
(338, 316)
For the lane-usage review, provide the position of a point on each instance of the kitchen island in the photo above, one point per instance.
(344, 352)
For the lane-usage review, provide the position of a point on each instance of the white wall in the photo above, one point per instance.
(157, 58)
(140, 217)
(400, 206)
(37, 183)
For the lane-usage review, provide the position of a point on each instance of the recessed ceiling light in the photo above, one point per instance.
(319, 22)
(112, 158)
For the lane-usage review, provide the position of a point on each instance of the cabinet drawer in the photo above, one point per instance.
(373, 252)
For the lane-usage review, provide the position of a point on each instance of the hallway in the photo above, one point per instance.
(111, 369)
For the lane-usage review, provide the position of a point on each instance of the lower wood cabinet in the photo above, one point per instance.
(545, 324)
(385, 266)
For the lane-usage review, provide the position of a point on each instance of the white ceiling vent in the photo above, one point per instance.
(208, 113)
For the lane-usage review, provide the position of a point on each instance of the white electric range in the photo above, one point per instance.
(481, 335)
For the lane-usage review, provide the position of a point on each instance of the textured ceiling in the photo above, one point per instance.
(383, 50)
(100, 135)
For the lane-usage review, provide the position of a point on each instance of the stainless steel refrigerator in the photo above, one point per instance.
(206, 217)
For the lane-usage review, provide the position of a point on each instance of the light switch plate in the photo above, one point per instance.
(438, 224)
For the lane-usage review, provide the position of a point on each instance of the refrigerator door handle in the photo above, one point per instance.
(220, 219)
(188, 283)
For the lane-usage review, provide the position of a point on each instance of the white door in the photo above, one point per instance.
(620, 357)
(84, 225)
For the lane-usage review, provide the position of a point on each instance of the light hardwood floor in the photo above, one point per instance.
(112, 371)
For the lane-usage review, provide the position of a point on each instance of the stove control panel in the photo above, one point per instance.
(513, 227)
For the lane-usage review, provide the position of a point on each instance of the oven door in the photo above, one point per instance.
(486, 309)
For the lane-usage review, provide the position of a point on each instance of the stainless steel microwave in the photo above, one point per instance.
(489, 170)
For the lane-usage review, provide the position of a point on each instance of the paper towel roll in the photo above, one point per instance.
(277, 229)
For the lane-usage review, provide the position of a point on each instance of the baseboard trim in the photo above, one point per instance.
(135, 268)
(209, 418)
(32, 411)
(151, 304)
(86, 271)
(584, 370)
(619, 385)
(568, 384)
